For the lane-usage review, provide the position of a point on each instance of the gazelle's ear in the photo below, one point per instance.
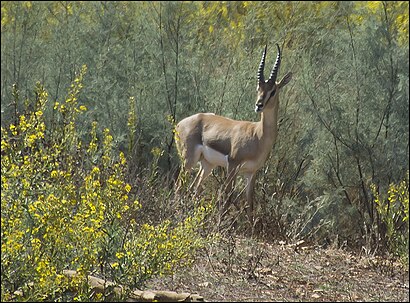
(285, 80)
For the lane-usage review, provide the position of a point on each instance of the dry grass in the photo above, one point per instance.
(239, 269)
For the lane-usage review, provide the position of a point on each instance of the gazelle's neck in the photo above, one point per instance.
(269, 121)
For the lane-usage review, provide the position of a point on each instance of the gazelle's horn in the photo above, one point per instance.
(275, 69)
(261, 78)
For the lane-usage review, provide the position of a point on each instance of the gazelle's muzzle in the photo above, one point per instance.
(258, 107)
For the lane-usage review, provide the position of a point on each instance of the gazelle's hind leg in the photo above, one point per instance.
(205, 170)
(195, 182)
(190, 158)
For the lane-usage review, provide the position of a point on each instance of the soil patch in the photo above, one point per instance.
(242, 270)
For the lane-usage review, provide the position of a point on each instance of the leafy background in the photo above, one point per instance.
(336, 170)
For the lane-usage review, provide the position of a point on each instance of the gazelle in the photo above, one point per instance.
(240, 146)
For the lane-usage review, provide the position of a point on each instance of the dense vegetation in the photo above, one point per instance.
(88, 173)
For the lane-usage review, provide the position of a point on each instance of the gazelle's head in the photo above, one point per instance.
(267, 90)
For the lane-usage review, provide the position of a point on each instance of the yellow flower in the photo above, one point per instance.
(114, 265)
(95, 170)
(122, 158)
(13, 129)
(120, 255)
(96, 183)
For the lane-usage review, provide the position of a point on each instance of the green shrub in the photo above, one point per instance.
(393, 210)
(66, 205)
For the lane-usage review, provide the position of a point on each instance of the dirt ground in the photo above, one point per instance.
(238, 269)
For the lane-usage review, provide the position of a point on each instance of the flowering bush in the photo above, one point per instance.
(393, 211)
(66, 205)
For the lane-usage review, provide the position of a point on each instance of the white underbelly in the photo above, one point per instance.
(214, 157)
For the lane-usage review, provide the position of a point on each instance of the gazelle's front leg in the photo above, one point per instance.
(250, 191)
(228, 188)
